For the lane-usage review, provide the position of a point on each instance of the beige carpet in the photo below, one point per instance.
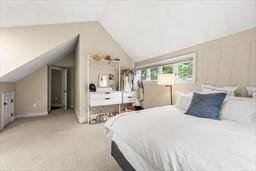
(55, 142)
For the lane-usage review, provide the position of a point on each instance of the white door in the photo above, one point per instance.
(8, 108)
(65, 88)
(12, 106)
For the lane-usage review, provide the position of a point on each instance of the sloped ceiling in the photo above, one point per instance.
(49, 57)
(144, 29)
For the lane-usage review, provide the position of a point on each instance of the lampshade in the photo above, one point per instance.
(165, 79)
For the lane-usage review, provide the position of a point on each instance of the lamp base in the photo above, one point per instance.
(170, 91)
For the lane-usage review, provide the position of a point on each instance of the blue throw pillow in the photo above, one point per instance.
(206, 105)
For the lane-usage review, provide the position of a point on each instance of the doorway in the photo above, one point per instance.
(58, 88)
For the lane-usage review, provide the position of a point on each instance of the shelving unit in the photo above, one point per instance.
(103, 100)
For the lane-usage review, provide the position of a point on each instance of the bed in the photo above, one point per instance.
(166, 139)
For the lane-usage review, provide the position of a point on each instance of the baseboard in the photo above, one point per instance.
(57, 105)
(82, 120)
(79, 119)
(25, 115)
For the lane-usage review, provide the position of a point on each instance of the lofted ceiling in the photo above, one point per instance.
(49, 57)
(144, 29)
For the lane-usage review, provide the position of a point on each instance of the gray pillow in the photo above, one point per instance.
(241, 92)
(206, 105)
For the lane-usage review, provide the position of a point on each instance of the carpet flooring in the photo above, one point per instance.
(55, 143)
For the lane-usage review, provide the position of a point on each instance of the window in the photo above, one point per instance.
(144, 74)
(185, 70)
(154, 73)
(182, 67)
(167, 69)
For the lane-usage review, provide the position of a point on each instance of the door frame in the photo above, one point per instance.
(64, 81)
(64, 87)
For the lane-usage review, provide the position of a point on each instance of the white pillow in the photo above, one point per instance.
(209, 88)
(252, 91)
(253, 119)
(239, 109)
(184, 101)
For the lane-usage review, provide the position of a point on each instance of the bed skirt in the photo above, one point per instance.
(120, 159)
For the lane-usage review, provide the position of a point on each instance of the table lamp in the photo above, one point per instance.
(167, 80)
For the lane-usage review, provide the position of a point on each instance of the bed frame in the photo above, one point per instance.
(120, 159)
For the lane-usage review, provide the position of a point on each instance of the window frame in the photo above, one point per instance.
(174, 62)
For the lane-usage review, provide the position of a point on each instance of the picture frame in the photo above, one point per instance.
(103, 80)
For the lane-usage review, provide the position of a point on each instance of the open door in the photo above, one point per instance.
(57, 88)
(65, 88)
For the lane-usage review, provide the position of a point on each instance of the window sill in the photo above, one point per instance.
(150, 82)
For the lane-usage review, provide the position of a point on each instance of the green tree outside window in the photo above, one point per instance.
(167, 69)
(153, 73)
(144, 74)
(185, 70)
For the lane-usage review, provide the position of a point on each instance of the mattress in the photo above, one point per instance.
(166, 139)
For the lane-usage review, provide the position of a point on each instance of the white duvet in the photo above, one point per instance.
(166, 139)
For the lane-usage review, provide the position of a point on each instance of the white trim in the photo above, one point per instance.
(154, 82)
(88, 88)
(82, 119)
(79, 119)
(2, 112)
(193, 79)
(64, 81)
(77, 115)
(176, 59)
(59, 68)
(25, 115)
(174, 62)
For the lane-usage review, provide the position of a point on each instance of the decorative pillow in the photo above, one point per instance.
(239, 109)
(206, 105)
(241, 92)
(214, 89)
(184, 101)
(252, 91)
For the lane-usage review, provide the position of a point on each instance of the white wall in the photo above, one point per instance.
(23, 44)
(226, 61)
(32, 94)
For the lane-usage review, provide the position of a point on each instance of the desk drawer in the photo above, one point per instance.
(105, 101)
(103, 95)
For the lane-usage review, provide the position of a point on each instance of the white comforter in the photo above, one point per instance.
(169, 140)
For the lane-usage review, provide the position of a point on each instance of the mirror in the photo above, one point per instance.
(103, 80)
